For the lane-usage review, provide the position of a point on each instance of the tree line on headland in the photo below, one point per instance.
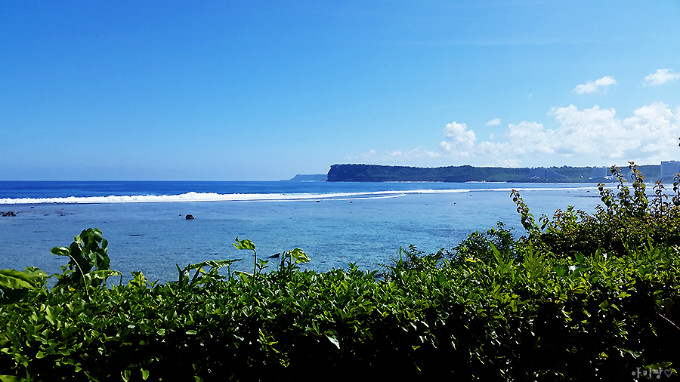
(567, 174)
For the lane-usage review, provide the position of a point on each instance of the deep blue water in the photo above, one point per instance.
(334, 223)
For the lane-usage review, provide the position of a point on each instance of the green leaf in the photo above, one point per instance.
(580, 258)
(214, 263)
(244, 244)
(13, 279)
(103, 274)
(334, 341)
(299, 256)
(61, 251)
(138, 281)
(561, 270)
(11, 378)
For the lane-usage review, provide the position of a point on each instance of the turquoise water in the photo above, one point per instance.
(334, 223)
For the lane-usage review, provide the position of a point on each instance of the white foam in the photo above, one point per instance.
(214, 197)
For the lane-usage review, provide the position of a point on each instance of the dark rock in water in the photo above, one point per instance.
(8, 213)
(189, 217)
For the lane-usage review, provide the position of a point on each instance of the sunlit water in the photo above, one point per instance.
(334, 223)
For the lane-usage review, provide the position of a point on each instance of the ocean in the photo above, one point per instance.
(334, 223)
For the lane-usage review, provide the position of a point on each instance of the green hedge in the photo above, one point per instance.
(601, 319)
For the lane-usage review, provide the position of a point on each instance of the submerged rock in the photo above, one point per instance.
(8, 213)
(189, 217)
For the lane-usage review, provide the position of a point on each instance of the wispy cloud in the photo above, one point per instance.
(394, 156)
(599, 85)
(660, 77)
(366, 156)
(493, 122)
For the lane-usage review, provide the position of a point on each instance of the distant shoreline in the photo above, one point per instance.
(466, 174)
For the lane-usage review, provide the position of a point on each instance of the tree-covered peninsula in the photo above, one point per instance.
(378, 173)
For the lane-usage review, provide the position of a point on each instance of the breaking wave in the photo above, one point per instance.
(216, 197)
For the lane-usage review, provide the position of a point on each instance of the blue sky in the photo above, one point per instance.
(264, 90)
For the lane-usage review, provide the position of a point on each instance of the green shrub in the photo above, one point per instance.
(481, 245)
(626, 221)
(88, 264)
(542, 318)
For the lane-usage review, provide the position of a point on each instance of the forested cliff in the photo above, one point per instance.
(377, 173)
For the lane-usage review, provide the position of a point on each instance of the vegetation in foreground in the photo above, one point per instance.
(579, 297)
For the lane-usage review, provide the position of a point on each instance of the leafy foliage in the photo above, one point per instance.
(89, 260)
(625, 222)
(481, 245)
(542, 318)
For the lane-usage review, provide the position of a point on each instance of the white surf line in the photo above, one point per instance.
(207, 197)
(216, 197)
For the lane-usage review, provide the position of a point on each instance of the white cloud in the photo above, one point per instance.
(395, 154)
(585, 131)
(530, 137)
(590, 136)
(598, 85)
(392, 156)
(654, 129)
(493, 122)
(365, 156)
(415, 153)
(493, 150)
(577, 137)
(459, 141)
(421, 152)
(648, 136)
(458, 133)
(660, 77)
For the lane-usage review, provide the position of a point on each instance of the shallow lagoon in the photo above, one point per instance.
(334, 223)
